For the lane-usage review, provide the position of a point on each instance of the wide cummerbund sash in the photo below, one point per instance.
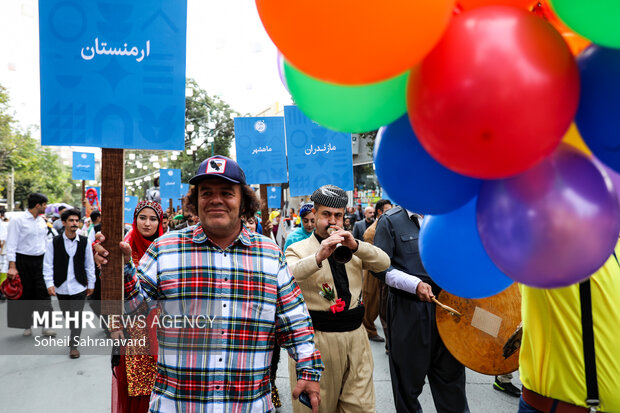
(347, 320)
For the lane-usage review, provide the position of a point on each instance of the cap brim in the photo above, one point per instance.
(199, 178)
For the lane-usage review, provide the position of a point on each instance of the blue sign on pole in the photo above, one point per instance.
(261, 149)
(184, 189)
(316, 155)
(170, 184)
(130, 205)
(83, 166)
(113, 73)
(274, 197)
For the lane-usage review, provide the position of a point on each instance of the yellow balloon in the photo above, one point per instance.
(573, 138)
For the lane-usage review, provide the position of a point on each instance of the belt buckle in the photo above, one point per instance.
(593, 404)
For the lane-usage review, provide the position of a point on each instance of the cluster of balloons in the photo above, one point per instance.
(497, 121)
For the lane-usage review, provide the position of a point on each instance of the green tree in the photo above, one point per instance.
(37, 169)
(209, 130)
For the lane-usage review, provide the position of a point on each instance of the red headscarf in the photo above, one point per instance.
(139, 244)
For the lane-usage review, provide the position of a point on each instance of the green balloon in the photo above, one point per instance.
(359, 108)
(596, 20)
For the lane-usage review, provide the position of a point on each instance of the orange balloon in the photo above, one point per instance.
(354, 42)
(472, 4)
(575, 42)
(573, 138)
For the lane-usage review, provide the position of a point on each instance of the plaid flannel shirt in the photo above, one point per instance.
(249, 290)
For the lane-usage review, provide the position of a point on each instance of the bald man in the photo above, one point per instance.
(361, 226)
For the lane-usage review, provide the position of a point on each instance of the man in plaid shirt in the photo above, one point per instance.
(241, 282)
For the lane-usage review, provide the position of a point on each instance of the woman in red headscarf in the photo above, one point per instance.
(135, 374)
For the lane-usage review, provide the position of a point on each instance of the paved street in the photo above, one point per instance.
(55, 383)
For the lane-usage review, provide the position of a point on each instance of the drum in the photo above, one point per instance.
(477, 338)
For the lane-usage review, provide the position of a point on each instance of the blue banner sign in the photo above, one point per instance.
(113, 73)
(316, 155)
(130, 205)
(184, 189)
(274, 197)
(170, 184)
(83, 166)
(261, 149)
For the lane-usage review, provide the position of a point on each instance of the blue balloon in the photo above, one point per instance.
(413, 178)
(453, 255)
(597, 117)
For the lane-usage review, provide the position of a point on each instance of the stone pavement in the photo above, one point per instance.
(55, 383)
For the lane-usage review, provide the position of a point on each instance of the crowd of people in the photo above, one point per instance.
(287, 289)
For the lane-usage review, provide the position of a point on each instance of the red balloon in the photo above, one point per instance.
(497, 93)
(472, 4)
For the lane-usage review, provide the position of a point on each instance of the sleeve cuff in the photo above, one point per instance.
(309, 375)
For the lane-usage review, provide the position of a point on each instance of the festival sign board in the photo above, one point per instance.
(261, 149)
(274, 197)
(113, 73)
(170, 184)
(130, 205)
(83, 166)
(316, 155)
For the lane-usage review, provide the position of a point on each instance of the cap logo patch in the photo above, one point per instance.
(216, 166)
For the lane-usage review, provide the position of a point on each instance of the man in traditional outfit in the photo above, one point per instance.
(415, 348)
(333, 293)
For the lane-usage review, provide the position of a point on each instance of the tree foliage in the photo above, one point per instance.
(209, 117)
(37, 169)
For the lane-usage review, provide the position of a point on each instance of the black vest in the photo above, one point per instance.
(61, 261)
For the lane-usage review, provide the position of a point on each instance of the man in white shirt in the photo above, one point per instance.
(26, 240)
(4, 265)
(69, 272)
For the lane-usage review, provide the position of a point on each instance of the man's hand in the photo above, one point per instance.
(328, 245)
(312, 388)
(101, 253)
(12, 273)
(89, 291)
(349, 240)
(51, 290)
(425, 292)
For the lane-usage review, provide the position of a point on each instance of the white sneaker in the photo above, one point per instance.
(48, 332)
(27, 332)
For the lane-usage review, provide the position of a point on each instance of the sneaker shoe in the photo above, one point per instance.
(508, 388)
(48, 332)
(376, 338)
(27, 332)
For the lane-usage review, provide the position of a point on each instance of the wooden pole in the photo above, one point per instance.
(83, 192)
(171, 207)
(112, 183)
(264, 210)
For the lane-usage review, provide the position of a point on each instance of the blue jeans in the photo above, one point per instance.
(526, 408)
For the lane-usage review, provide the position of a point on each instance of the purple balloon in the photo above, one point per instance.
(553, 225)
(280, 61)
(613, 175)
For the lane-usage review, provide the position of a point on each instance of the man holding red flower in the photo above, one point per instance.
(333, 293)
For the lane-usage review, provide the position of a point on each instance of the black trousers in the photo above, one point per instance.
(416, 352)
(34, 296)
(74, 304)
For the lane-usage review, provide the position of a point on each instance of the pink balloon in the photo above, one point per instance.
(553, 225)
